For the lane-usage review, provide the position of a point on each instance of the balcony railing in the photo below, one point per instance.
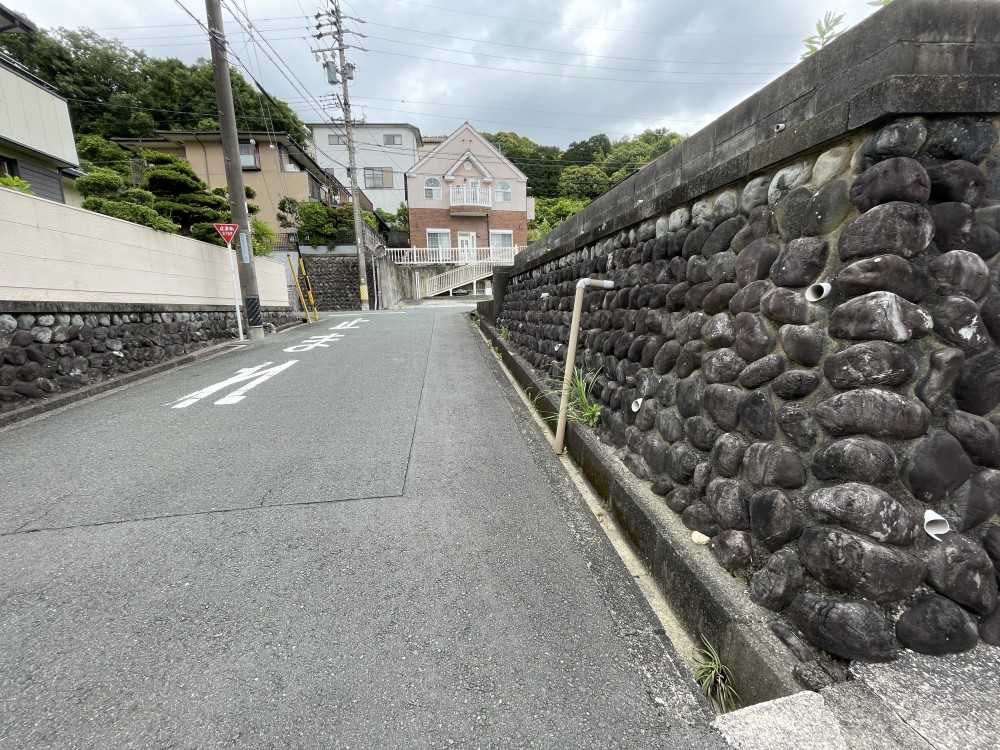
(421, 256)
(463, 195)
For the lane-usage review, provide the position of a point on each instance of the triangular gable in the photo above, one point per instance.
(447, 141)
(468, 156)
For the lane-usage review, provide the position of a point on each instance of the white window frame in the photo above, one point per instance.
(503, 189)
(337, 139)
(392, 139)
(446, 233)
(434, 190)
(378, 178)
(249, 151)
(495, 234)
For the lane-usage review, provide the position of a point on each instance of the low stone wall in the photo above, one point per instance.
(44, 353)
(335, 281)
(803, 440)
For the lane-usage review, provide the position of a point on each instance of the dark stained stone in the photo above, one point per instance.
(869, 363)
(859, 458)
(694, 242)
(857, 565)
(719, 331)
(650, 350)
(778, 582)
(701, 478)
(959, 181)
(991, 542)
(701, 432)
(727, 499)
(755, 260)
(800, 262)
(795, 384)
(952, 226)
(680, 498)
(903, 229)
(936, 626)
(827, 209)
(763, 370)
(722, 366)
(960, 569)
(727, 454)
(757, 227)
(961, 138)
(732, 549)
(867, 510)
(753, 336)
(662, 486)
(803, 344)
(989, 628)
(938, 467)
(666, 357)
(689, 329)
(898, 179)
(654, 452)
(689, 359)
(697, 270)
(754, 194)
(757, 415)
(718, 298)
(957, 321)
(646, 416)
(635, 464)
(799, 425)
(698, 517)
(722, 402)
(978, 436)
(667, 394)
(669, 424)
(878, 413)
(690, 392)
(962, 271)
(889, 273)
(681, 463)
(976, 501)
(774, 520)
(990, 314)
(722, 236)
(977, 389)
(900, 138)
(697, 295)
(848, 629)
(879, 315)
(791, 210)
(677, 296)
(945, 367)
(748, 298)
(785, 306)
(774, 466)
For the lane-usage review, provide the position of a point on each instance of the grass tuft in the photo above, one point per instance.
(715, 679)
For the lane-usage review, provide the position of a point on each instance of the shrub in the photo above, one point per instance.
(100, 183)
(138, 195)
(16, 184)
(133, 212)
(170, 181)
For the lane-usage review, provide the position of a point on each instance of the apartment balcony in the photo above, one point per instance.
(469, 201)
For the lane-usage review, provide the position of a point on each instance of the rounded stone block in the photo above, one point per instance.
(903, 229)
(879, 315)
(774, 519)
(871, 363)
(866, 510)
(936, 626)
(778, 582)
(869, 411)
(848, 629)
(897, 179)
(858, 459)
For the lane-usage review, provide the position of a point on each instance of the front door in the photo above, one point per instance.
(466, 247)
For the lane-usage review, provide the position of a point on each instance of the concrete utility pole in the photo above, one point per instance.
(345, 74)
(234, 170)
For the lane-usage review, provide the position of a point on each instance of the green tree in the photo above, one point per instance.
(590, 151)
(317, 224)
(585, 183)
(550, 213)
(398, 221)
(540, 164)
(631, 152)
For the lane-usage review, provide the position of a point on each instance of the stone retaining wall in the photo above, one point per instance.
(335, 281)
(46, 352)
(804, 441)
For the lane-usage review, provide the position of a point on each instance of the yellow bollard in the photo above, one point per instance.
(309, 287)
(302, 299)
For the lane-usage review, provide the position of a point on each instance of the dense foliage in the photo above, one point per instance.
(115, 91)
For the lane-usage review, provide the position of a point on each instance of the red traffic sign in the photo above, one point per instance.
(228, 231)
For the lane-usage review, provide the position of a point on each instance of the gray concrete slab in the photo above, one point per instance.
(408, 572)
(792, 723)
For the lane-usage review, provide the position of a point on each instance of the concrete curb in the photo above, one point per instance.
(707, 600)
(71, 397)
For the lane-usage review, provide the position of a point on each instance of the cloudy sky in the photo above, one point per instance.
(556, 71)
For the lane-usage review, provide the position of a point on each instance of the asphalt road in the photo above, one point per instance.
(370, 549)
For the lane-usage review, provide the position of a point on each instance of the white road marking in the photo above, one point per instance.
(256, 374)
(316, 341)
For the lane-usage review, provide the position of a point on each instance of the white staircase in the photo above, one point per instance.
(461, 276)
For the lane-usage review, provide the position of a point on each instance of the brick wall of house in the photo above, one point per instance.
(423, 219)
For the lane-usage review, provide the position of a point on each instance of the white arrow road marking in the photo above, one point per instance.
(255, 374)
(314, 341)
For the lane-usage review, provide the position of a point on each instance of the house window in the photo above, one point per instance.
(502, 238)
(503, 192)
(249, 156)
(378, 177)
(438, 238)
(285, 160)
(337, 139)
(432, 189)
(392, 139)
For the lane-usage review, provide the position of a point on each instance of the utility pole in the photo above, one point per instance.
(234, 170)
(346, 71)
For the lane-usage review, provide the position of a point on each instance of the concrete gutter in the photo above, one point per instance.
(707, 600)
(60, 400)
